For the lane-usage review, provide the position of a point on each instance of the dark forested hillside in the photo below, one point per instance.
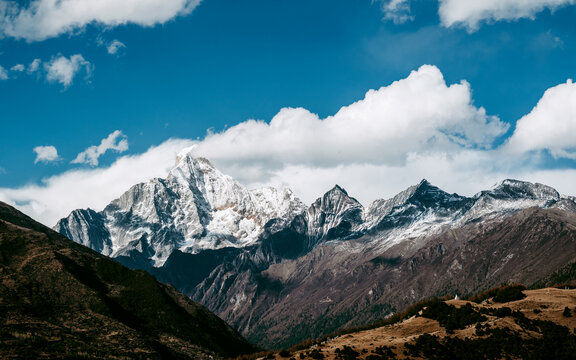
(60, 299)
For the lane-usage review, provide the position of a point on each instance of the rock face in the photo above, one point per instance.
(62, 300)
(265, 262)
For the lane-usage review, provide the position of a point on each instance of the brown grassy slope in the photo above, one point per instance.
(59, 299)
(544, 304)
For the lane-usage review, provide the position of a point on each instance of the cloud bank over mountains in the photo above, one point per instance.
(418, 114)
(417, 127)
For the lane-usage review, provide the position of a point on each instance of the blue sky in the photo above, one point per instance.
(114, 89)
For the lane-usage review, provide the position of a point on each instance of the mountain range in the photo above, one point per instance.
(280, 271)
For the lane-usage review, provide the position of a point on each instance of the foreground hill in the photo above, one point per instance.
(539, 326)
(60, 300)
(280, 271)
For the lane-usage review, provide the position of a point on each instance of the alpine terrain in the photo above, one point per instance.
(280, 271)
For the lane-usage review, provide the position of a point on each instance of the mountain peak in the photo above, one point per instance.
(424, 182)
(198, 172)
(336, 197)
(334, 215)
(189, 161)
(337, 189)
(517, 189)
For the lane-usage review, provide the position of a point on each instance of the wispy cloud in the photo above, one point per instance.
(34, 66)
(116, 141)
(3, 74)
(46, 154)
(38, 20)
(63, 70)
(115, 46)
(397, 11)
(18, 68)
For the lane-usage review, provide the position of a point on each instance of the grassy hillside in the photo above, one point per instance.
(499, 324)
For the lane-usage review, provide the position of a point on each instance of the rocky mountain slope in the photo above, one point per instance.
(266, 263)
(62, 300)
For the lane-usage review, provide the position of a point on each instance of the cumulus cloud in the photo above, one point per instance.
(38, 20)
(550, 125)
(397, 11)
(95, 188)
(471, 13)
(46, 154)
(420, 113)
(114, 47)
(116, 141)
(63, 70)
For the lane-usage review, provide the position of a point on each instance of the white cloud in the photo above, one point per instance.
(397, 11)
(34, 66)
(95, 188)
(42, 19)
(3, 73)
(417, 114)
(415, 128)
(551, 125)
(59, 69)
(114, 47)
(46, 154)
(471, 13)
(18, 68)
(63, 70)
(115, 141)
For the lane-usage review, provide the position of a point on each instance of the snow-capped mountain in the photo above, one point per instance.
(195, 208)
(254, 256)
(199, 208)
